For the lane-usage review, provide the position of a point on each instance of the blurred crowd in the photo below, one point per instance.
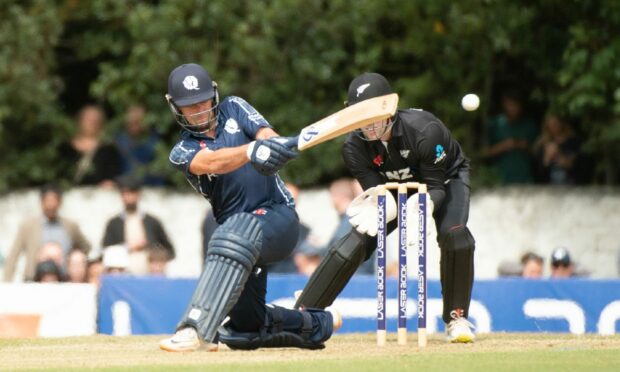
(135, 242)
(532, 266)
(521, 151)
(92, 158)
(55, 249)
(518, 149)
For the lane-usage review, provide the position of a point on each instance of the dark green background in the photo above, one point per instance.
(293, 59)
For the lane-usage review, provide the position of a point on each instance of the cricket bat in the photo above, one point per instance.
(347, 120)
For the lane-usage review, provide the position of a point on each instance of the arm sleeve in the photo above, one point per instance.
(182, 154)
(248, 118)
(432, 169)
(359, 167)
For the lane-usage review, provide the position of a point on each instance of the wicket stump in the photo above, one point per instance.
(402, 261)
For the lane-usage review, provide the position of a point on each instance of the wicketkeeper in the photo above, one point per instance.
(230, 154)
(412, 146)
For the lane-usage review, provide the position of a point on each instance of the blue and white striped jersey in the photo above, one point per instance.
(242, 190)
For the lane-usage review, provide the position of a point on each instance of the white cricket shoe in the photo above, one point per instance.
(185, 339)
(336, 316)
(459, 330)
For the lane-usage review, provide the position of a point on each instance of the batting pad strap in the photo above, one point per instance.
(306, 328)
(233, 252)
(277, 319)
(316, 328)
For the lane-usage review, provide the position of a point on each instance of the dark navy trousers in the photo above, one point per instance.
(280, 232)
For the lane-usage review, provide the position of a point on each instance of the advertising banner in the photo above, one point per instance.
(130, 305)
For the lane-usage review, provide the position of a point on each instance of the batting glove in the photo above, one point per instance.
(269, 156)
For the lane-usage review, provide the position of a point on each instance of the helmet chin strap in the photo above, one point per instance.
(202, 128)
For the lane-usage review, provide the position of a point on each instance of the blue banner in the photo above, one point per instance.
(154, 305)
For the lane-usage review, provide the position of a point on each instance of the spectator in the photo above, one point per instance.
(115, 259)
(561, 264)
(158, 260)
(509, 269)
(307, 258)
(556, 150)
(48, 272)
(94, 269)
(288, 265)
(76, 266)
(38, 231)
(88, 158)
(135, 229)
(137, 145)
(342, 192)
(532, 266)
(510, 136)
(52, 251)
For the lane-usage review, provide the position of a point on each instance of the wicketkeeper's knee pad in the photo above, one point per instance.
(457, 238)
(317, 328)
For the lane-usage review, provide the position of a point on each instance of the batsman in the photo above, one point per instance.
(230, 154)
(412, 146)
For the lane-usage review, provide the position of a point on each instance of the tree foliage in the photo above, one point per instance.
(293, 60)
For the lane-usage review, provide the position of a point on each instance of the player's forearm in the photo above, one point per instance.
(220, 161)
(265, 133)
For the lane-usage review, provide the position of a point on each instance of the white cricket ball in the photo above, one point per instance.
(470, 102)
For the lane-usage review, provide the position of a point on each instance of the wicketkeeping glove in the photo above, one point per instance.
(363, 211)
(269, 156)
(413, 220)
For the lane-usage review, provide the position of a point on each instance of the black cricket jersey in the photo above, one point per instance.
(421, 149)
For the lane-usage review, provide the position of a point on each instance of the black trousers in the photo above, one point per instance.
(457, 247)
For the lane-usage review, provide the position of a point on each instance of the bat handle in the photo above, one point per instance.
(294, 142)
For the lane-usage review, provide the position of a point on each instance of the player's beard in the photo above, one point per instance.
(131, 207)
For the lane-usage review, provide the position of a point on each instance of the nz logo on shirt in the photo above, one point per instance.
(399, 175)
(440, 154)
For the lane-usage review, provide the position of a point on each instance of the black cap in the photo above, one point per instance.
(367, 85)
(189, 84)
(560, 256)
